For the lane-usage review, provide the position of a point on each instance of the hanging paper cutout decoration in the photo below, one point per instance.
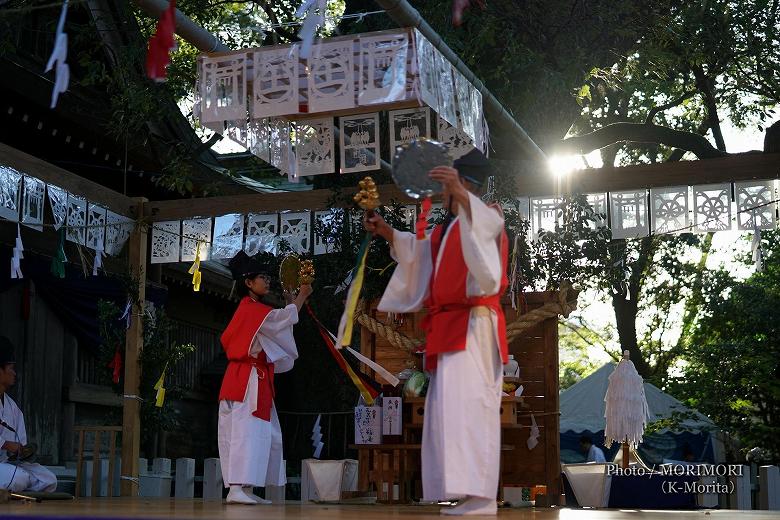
(259, 139)
(262, 231)
(237, 131)
(426, 70)
(96, 231)
(228, 236)
(223, 88)
(160, 45)
(331, 77)
(33, 192)
(359, 143)
(295, 230)
(382, 68)
(58, 200)
(755, 205)
(10, 180)
(481, 131)
(446, 88)
(275, 86)
(409, 124)
(712, 207)
(628, 214)
(58, 57)
(598, 203)
(466, 120)
(546, 212)
(669, 210)
(279, 144)
(326, 238)
(118, 229)
(193, 232)
(458, 143)
(77, 219)
(18, 254)
(98, 263)
(165, 242)
(314, 150)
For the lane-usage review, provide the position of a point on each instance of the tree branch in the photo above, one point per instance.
(639, 133)
(655, 110)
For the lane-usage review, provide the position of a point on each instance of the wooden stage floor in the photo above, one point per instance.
(197, 509)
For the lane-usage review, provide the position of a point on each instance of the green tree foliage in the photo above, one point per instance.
(731, 370)
(158, 352)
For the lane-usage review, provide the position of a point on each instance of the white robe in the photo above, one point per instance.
(250, 449)
(461, 445)
(22, 476)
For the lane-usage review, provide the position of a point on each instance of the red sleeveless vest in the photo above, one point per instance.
(447, 322)
(236, 341)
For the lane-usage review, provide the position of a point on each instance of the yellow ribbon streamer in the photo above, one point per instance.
(347, 319)
(195, 270)
(160, 399)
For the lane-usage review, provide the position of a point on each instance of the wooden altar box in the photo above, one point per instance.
(536, 351)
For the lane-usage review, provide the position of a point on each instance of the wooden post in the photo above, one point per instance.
(131, 419)
(626, 455)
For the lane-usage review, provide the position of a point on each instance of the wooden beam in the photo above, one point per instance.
(134, 342)
(92, 191)
(741, 167)
(260, 203)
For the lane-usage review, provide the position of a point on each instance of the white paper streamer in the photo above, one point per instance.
(98, 263)
(18, 254)
(373, 365)
(533, 439)
(758, 255)
(58, 56)
(314, 10)
(316, 438)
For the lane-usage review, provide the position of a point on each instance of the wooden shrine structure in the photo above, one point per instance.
(144, 213)
(536, 349)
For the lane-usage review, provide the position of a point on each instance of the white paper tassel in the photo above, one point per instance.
(58, 56)
(626, 409)
(758, 255)
(98, 263)
(18, 254)
(316, 438)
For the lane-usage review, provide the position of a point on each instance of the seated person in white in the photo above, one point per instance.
(16, 476)
(592, 452)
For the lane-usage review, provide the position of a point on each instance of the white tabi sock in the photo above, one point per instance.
(472, 506)
(249, 491)
(236, 495)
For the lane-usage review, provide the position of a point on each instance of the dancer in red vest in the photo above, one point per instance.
(457, 274)
(259, 343)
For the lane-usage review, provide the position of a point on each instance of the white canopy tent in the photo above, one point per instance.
(582, 410)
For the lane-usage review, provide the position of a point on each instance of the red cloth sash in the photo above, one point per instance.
(236, 341)
(447, 322)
